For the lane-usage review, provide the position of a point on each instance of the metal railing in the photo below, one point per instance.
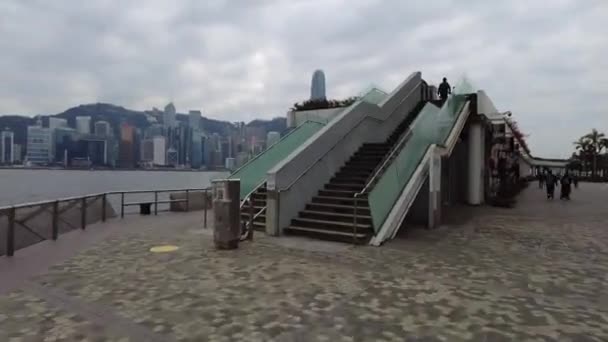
(71, 213)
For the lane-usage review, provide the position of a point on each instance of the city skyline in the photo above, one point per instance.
(163, 141)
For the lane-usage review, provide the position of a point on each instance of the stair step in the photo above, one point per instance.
(333, 216)
(349, 180)
(339, 208)
(340, 200)
(340, 186)
(323, 234)
(353, 178)
(337, 193)
(331, 225)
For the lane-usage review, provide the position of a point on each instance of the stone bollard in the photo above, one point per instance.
(226, 214)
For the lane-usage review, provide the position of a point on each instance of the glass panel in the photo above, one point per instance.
(432, 126)
(374, 96)
(254, 172)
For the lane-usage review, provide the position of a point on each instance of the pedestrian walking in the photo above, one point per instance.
(550, 182)
(444, 89)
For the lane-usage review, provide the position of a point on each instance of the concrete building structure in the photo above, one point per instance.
(169, 113)
(55, 123)
(39, 145)
(102, 129)
(83, 124)
(317, 86)
(272, 138)
(194, 119)
(7, 143)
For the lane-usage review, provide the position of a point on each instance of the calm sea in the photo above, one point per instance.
(19, 186)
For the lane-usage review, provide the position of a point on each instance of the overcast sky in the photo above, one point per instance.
(546, 61)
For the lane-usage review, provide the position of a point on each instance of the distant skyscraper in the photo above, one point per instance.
(160, 150)
(39, 149)
(57, 123)
(83, 124)
(102, 129)
(7, 142)
(317, 87)
(194, 119)
(127, 139)
(272, 138)
(16, 153)
(169, 116)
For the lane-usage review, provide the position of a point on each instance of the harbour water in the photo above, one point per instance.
(26, 185)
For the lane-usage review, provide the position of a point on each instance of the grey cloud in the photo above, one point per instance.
(239, 59)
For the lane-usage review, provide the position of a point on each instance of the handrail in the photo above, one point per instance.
(377, 172)
(252, 192)
(56, 212)
(74, 198)
(342, 138)
(271, 146)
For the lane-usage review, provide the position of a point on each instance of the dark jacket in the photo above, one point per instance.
(444, 89)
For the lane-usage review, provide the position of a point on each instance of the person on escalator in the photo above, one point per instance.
(444, 89)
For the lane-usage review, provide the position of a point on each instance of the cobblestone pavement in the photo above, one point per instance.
(538, 272)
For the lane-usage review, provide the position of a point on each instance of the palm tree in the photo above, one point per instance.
(596, 141)
(583, 146)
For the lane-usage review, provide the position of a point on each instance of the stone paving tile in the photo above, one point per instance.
(518, 275)
(27, 318)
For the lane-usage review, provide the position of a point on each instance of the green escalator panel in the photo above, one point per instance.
(432, 126)
(254, 172)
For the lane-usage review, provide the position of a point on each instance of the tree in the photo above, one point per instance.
(583, 147)
(596, 140)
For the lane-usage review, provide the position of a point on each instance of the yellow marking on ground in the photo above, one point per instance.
(164, 249)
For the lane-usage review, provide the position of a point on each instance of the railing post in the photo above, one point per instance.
(155, 202)
(205, 210)
(250, 235)
(122, 205)
(355, 221)
(10, 233)
(104, 202)
(187, 200)
(83, 213)
(55, 232)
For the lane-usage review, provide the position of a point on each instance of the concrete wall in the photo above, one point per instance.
(418, 214)
(299, 177)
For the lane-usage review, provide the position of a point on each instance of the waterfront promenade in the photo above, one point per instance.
(536, 272)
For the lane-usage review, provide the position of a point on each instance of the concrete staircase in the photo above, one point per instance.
(259, 204)
(330, 214)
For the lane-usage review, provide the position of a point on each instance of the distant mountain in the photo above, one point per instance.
(115, 115)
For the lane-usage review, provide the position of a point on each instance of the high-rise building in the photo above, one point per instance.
(147, 151)
(172, 157)
(230, 164)
(7, 143)
(241, 159)
(39, 141)
(102, 129)
(169, 116)
(272, 138)
(194, 119)
(160, 150)
(63, 143)
(57, 123)
(83, 124)
(126, 158)
(196, 151)
(17, 153)
(317, 87)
